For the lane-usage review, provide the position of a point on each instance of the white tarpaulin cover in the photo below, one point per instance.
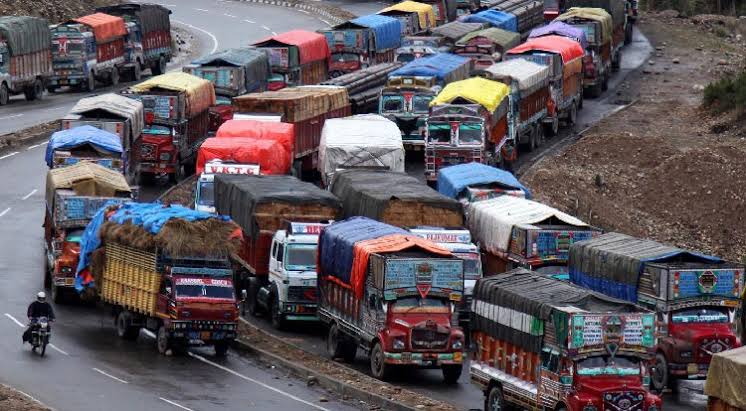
(492, 221)
(115, 105)
(527, 73)
(366, 140)
(725, 378)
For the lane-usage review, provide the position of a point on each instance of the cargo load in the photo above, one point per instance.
(26, 63)
(187, 96)
(369, 270)
(394, 198)
(472, 182)
(528, 13)
(362, 141)
(362, 42)
(615, 8)
(233, 71)
(445, 10)
(455, 30)
(558, 28)
(296, 57)
(105, 28)
(495, 18)
(85, 143)
(364, 86)
(486, 47)
(425, 15)
(110, 112)
(567, 347)
(725, 385)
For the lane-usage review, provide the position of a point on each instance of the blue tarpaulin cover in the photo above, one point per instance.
(78, 136)
(337, 240)
(437, 65)
(561, 29)
(149, 216)
(494, 18)
(454, 179)
(386, 29)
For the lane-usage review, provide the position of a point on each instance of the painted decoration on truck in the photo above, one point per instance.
(698, 283)
(594, 330)
(423, 276)
(556, 244)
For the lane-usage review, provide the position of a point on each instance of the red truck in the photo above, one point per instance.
(297, 58)
(176, 122)
(306, 108)
(546, 344)
(25, 57)
(391, 294)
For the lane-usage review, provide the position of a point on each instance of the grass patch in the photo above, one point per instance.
(727, 94)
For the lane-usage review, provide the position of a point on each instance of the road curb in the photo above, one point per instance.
(324, 381)
(301, 6)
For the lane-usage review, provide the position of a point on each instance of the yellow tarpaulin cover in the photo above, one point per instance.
(591, 13)
(86, 179)
(726, 378)
(424, 11)
(487, 93)
(200, 92)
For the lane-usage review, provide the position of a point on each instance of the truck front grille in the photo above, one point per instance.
(428, 339)
(302, 294)
(624, 401)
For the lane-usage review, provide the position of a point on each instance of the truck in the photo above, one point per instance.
(529, 100)
(233, 72)
(362, 42)
(472, 182)
(529, 14)
(494, 18)
(176, 122)
(623, 14)
(415, 47)
(466, 7)
(364, 86)
(445, 10)
(278, 270)
(468, 122)
(486, 47)
(361, 141)
(152, 32)
(406, 97)
(85, 144)
(164, 269)
(547, 344)
(242, 147)
(564, 57)
(297, 58)
(558, 28)
(307, 108)
(515, 232)
(87, 49)
(113, 113)
(391, 294)
(25, 57)
(455, 30)
(73, 196)
(416, 17)
(724, 384)
(693, 295)
(394, 198)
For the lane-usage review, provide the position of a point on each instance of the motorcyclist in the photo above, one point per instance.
(37, 309)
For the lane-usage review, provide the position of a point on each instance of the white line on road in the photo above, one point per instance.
(202, 10)
(37, 145)
(326, 22)
(266, 28)
(249, 21)
(29, 396)
(29, 194)
(54, 347)
(269, 387)
(110, 376)
(229, 15)
(175, 404)
(303, 11)
(2, 214)
(212, 36)
(54, 109)
(20, 324)
(8, 155)
(13, 116)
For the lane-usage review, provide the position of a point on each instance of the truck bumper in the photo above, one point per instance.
(64, 81)
(300, 311)
(196, 338)
(157, 168)
(64, 281)
(424, 360)
(692, 371)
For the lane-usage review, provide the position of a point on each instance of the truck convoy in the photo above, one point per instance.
(486, 47)
(176, 122)
(515, 232)
(362, 141)
(297, 58)
(693, 295)
(547, 344)
(472, 182)
(87, 49)
(391, 294)
(724, 387)
(364, 86)
(405, 99)
(233, 72)
(362, 42)
(165, 269)
(25, 57)
(278, 269)
(73, 195)
(469, 122)
(85, 143)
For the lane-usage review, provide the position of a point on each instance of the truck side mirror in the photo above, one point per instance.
(244, 295)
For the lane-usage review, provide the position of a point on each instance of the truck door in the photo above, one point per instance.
(164, 296)
(549, 382)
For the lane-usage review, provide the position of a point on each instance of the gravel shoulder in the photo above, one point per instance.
(12, 400)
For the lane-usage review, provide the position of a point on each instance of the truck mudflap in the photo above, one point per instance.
(692, 371)
(419, 359)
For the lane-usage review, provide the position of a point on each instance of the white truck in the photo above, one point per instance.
(292, 274)
(204, 195)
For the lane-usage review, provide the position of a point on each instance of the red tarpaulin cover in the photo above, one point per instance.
(105, 27)
(569, 49)
(311, 46)
(272, 156)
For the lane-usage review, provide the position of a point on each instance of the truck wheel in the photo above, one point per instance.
(51, 89)
(159, 67)
(125, 330)
(137, 71)
(451, 373)
(278, 319)
(334, 342)
(35, 92)
(628, 34)
(659, 378)
(552, 128)
(573, 116)
(605, 83)
(90, 83)
(221, 348)
(4, 94)
(494, 400)
(114, 77)
(378, 366)
(251, 303)
(162, 341)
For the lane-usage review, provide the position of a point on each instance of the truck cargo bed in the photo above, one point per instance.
(130, 279)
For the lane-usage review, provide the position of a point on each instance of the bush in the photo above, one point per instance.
(727, 94)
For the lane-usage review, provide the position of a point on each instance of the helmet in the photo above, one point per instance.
(41, 296)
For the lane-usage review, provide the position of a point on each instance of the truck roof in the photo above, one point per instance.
(105, 27)
(99, 140)
(453, 180)
(568, 49)
(200, 93)
(112, 105)
(311, 46)
(25, 34)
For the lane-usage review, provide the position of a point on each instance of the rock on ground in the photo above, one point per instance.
(53, 10)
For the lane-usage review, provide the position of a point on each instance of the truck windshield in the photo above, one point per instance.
(709, 315)
(74, 236)
(344, 57)
(607, 365)
(472, 266)
(421, 104)
(392, 104)
(206, 193)
(439, 133)
(70, 47)
(470, 133)
(300, 257)
(202, 290)
(405, 57)
(407, 305)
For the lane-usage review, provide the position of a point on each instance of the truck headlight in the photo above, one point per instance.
(398, 343)
(165, 156)
(457, 345)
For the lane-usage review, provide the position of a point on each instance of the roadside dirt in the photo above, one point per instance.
(12, 400)
(55, 11)
(663, 168)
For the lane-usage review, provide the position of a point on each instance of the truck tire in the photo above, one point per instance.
(125, 330)
(90, 83)
(552, 128)
(277, 317)
(572, 117)
(159, 67)
(35, 92)
(137, 71)
(252, 304)
(51, 89)
(628, 34)
(596, 90)
(4, 94)
(339, 346)
(221, 348)
(114, 77)
(378, 367)
(451, 373)
(162, 342)
(494, 400)
(659, 379)
(605, 83)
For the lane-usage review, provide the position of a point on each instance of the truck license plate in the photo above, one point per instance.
(204, 335)
(69, 281)
(692, 368)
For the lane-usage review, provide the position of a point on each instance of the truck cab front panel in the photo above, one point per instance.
(409, 110)
(154, 150)
(452, 142)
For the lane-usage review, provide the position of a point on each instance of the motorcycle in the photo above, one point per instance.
(40, 333)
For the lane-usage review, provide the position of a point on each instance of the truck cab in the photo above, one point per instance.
(73, 57)
(456, 135)
(204, 197)
(406, 102)
(134, 54)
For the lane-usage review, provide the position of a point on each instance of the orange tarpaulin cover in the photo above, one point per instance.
(272, 156)
(386, 244)
(258, 129)
(105, 27)
(568, 49)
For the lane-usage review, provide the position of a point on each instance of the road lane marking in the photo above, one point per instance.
(2, 214)
(202, 10)
(212, 36)
(109, 375)
(54, 347)
(266, 28)
(175, 404)
(20, 324)
(54, 109)
(29, 194)
(269, 387)
(303, 11)
(326, 22)
(249, 21)
(29, 397)
(229, 15)
(13, 116)
(37, 145)
(8, 155)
